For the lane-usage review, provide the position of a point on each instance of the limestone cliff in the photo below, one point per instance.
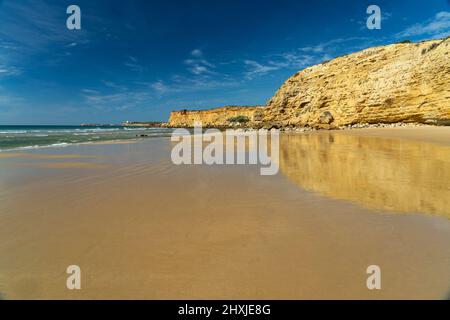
(404, 82)
(220, 117)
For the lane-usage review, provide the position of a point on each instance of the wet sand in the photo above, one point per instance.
(141, 227)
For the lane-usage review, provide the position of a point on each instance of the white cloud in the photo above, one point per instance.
(198, 65)
(197, 53)
(199, 69)
(438, 26)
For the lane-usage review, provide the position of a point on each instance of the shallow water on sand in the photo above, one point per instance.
(141, 227)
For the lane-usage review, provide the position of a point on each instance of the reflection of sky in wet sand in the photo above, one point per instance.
(376, 172)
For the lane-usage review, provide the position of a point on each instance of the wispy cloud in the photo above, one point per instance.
(335, 45)
(6, 70)
(118, 101)
(198, 65)
(436, 27)
(201, 75)
(29, 28)
(181, 84)
(117, 97)
(160, 87)
(133, 64)
(257, 69)
(294, 60)
(7, 67)
(305, 56)
(34, 24)
(90, 92)
(114, 85)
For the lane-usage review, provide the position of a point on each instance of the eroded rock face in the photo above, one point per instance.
(407, 82)
(219, 117)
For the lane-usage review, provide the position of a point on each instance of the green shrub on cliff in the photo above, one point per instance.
(239, 119)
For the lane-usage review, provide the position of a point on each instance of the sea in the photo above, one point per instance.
(16, 137)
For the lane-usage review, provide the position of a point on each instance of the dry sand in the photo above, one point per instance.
(141, 227)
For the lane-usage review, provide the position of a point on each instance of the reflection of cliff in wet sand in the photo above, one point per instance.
(377, 172)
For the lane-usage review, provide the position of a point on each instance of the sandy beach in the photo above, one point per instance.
(141, 227)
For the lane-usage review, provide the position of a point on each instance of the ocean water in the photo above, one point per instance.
(25, 137)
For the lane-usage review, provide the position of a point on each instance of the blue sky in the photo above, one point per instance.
(139, 60)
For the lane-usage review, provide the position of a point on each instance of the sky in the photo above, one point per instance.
(139, 60)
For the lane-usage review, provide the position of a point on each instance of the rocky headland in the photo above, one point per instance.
(219, 118)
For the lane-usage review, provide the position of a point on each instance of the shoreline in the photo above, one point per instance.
(359, 127)
(65, 145)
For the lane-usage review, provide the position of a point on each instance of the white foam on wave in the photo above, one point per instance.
(13, 132)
